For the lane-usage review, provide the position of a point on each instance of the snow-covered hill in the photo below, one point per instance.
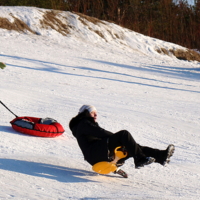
(51, 22)
(52, 74)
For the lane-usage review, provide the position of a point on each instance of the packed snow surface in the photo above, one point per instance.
(48, 74)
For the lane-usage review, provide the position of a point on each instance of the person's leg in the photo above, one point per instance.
(161, 156)
(124, 138)
(155, 153)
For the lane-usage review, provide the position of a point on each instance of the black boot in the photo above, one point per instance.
(144, 161)
(167, 154)
(164, 155)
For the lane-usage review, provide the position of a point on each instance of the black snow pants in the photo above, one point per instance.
(124, 138)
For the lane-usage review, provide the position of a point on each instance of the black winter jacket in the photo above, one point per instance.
(92, 139)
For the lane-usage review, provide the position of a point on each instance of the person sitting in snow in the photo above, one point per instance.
(98, 144)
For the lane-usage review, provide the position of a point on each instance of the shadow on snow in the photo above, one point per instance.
(167, 70)
(59, 173)
(43, 170)
(48, 171)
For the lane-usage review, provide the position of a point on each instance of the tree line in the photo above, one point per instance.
(171, 21)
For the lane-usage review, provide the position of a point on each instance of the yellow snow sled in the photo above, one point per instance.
(105, 167)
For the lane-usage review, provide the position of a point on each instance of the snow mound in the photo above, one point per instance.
(49, 23)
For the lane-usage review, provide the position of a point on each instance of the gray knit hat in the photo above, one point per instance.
(90, 108)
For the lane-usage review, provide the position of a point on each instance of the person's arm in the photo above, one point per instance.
(88, 128)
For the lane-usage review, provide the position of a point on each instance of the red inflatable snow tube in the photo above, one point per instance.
(46, 127)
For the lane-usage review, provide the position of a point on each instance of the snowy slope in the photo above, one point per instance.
(48, 74)
(78, 26)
